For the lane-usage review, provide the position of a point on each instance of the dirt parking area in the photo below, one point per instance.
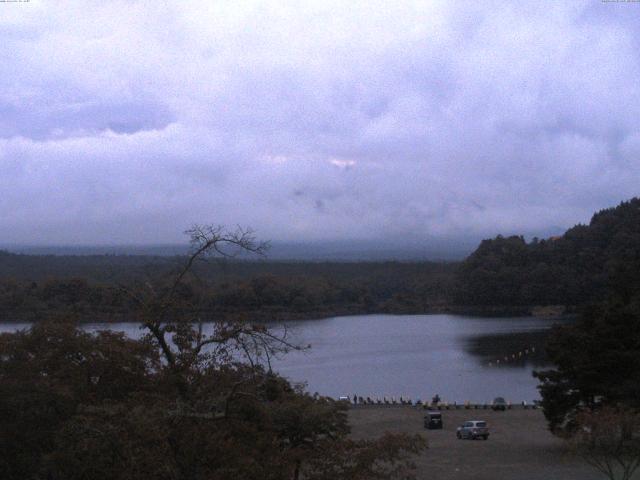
(519, 447)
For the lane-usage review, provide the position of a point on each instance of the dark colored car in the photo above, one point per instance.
(433, 421)
(499, 404)
(473, 429)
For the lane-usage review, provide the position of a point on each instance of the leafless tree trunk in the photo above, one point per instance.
(609, 440)
(181, 337)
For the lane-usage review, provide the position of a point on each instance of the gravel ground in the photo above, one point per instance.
(519, 447)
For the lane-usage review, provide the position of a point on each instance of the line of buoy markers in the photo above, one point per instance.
(514, 356)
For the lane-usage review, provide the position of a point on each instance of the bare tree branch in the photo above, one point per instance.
(608, 439)
(162, 312)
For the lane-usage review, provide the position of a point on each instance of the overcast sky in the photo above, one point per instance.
(126, 122)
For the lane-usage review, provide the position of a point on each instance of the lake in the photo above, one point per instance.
(458, 357)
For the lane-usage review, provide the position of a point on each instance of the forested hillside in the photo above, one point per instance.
(582, 266)
(504, 274)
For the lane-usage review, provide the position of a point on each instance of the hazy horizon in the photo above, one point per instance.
(406, 249)
(308, 251)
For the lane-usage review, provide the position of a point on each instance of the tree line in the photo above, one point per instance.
(261, 290)
(502, 274)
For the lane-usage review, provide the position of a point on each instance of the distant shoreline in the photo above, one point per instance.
(266, 315)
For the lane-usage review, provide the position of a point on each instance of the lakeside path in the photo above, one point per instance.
(520, 447)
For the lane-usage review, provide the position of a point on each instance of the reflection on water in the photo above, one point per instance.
(414, 356)
(419, 355)
(510, 350)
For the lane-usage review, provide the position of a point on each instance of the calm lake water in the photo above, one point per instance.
(414, 356)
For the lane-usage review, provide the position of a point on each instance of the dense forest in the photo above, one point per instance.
(594, 384)
(91, 287)
(578, 268)
(505, 275)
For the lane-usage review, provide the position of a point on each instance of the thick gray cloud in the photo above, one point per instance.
(128, 121)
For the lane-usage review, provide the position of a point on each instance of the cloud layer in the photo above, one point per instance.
(126, 122)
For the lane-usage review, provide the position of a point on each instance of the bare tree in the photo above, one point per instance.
(172, 319)
(608, 439)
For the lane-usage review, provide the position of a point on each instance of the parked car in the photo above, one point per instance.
(499, 404)
(473, 429)
(433, 420)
